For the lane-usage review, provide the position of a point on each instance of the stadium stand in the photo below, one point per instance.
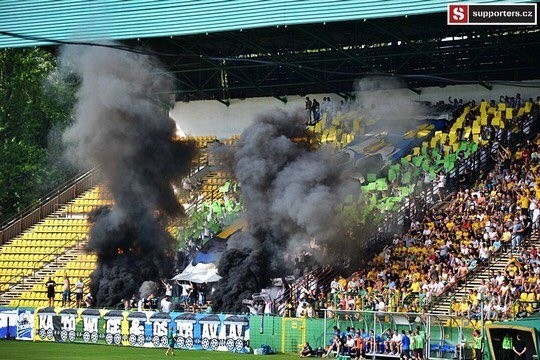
(55, 246)
(213, 193)
(457, 240)
(50, 248)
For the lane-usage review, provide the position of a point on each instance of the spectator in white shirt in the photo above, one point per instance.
(166, 305)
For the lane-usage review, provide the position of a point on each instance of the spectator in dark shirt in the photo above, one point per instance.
(315, 112)
(520, 348)
(50, 291)
(308, 107)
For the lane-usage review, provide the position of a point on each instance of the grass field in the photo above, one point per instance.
(14, 350)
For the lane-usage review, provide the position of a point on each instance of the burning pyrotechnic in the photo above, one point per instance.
(291, 192)
(122, 127)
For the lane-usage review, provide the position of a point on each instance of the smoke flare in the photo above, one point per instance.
(122, 128)
(291, 193)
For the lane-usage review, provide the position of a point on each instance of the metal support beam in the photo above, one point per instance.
(284, 61)
(413, 46)
(486, 85)
(224, 102)
(283, 99)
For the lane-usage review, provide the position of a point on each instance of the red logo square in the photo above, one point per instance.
(458, 14)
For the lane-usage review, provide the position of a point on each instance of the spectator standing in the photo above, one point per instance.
(315, 112)
(168, 288)
(329, 108)
(517, 233)
(520, 348)
(477, 345)
(441, 182)
(79, 286)
(50, 284)
(309, 104)
(186, 292)
(202, 294)
(418, 345)
(171, 340)
(166, 304)
(405, 345)
(507, 347)
(66, 295)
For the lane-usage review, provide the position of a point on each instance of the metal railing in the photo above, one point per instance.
(48, 204)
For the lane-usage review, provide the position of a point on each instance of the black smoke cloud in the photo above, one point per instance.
(291, 194)
(122, 128)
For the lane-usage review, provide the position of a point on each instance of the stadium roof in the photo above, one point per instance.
(239, 49)
(120, 20)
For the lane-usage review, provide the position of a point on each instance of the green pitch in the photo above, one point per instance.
(15, 350)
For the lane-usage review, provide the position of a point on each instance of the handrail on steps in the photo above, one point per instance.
(48, 204)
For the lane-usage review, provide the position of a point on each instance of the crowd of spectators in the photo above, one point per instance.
(179, 296)
(485, 218)
(314, 110)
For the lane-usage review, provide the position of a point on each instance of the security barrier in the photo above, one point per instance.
(218, 332)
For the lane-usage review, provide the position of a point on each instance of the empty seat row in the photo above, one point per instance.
(96, 202)
(20, 257)
(87, 257)
(81, 265)
(35, 246)
(28, 303)
(16, 272)
(48, 241)
(80, 209)
(17, 265)
(61, 229)
(65, 222)
(38, 249)
(6, 279)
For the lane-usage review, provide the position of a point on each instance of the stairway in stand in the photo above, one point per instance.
(54, 247)
(443, 304)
